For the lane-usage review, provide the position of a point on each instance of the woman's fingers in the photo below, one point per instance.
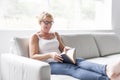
(66, 49)
(56, 56)
(59, 58)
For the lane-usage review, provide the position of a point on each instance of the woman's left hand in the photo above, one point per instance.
(66, 48)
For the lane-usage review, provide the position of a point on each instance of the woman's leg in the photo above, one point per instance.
(110, 70)
(83, 74)
(75, 71)
(99, 68)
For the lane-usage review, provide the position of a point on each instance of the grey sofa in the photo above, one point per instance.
(98, 48)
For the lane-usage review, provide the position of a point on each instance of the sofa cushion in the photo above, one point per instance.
(106, 59)
(84, 43)
(20, 46)
(107, 43)
(62, 77)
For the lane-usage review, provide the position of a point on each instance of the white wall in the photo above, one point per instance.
(116, 15)
(6, 35)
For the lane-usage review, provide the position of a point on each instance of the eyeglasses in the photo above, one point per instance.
(48, 22)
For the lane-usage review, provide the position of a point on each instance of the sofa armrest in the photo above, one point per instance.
(15, 67)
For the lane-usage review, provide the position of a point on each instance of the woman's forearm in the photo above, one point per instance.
(41, 57)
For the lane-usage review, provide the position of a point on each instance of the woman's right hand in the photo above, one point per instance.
(56, 56)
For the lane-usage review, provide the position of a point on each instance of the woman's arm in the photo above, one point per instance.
(34, 51)
(62, 47)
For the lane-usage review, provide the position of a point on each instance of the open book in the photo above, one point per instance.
(69, 56)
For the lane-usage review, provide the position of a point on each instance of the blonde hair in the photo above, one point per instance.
(43, 15)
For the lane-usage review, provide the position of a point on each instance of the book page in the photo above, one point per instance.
(71, 54)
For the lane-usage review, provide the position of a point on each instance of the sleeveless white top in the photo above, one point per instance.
(47, 46)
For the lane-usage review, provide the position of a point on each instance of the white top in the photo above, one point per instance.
(47, 46)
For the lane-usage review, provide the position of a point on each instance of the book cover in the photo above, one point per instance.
(69, 56)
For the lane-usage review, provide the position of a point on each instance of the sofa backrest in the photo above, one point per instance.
(107, 44)
(20, 46)
(87, 45)
(84, 43)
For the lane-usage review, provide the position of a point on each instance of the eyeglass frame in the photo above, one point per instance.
(47, 22)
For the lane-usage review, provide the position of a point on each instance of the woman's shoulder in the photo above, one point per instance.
(56, 33)
(34, 36)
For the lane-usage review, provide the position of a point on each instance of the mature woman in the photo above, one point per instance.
(47, 46)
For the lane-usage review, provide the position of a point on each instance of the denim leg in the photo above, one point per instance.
(61, 68)
(83, 74)
(99, 68)
(75, 71)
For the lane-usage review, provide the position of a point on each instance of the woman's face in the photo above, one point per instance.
(46, 24)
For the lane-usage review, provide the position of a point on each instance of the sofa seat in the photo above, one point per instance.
(99, 48)
(62, 77)
(106, 59)
(99, 60)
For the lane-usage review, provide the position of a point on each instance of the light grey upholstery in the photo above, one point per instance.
(62, 77)
(15, 67)
(107, 44)
(89, 46)
(84, 43)
(20, 46)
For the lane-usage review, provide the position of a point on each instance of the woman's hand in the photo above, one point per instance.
(66, 49)
(56, 56)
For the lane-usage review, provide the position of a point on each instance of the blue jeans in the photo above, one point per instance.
(83, 70)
